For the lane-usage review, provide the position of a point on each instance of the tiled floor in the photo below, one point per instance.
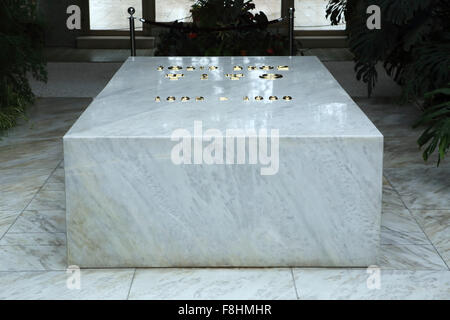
(414, 257)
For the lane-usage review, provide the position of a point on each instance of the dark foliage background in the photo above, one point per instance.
(413, 45)
(223, 13)
(21, 43)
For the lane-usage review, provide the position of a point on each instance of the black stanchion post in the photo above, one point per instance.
(291, 31)
(131, 11)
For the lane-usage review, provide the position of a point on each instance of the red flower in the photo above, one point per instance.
(270, 51)
(192, 35)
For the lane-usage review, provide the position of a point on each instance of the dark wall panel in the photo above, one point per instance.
(55, 16)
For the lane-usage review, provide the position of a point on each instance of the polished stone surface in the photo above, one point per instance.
(19, 186)
(40, 221)
(31, 154)
(6, 220)
(213, 284)
(322, 208)
(422, 187)
(320, 107)
(411, 257)
(95, 284)
(406, 283)
(31, 258)
(436, 225)
(32, 239)
(351, 284)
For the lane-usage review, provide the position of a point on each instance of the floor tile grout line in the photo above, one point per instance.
(34, 196)
(131, 284)
(420, 226)
(295, 285)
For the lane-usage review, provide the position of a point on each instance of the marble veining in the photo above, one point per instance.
(126, 106)
(436, 224)
(40, 221)
(401, 228)
(350, 284)
(95, 284)
(322, 208)
(33, 239)
(32, 258)
(422, 188)
(213, 284)
(19, 186)
(400, 152)
(31, 154)
(391, 118)
(410, 257)
(48, 200)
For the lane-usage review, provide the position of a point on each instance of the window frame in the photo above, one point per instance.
(312, 32)
(149, 10)
(86, 28)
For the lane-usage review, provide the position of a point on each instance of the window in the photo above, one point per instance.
(112, 14)
(310, 15)
(270, 7)
(171, 10)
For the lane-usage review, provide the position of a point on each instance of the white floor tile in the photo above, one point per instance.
(213, 284)
(353, 284)
(94, 284)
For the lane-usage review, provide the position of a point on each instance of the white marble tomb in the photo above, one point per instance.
(133, 199)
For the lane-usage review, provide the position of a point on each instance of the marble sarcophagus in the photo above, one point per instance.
(232, 161)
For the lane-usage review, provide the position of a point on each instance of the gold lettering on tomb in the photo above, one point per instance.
(270, 76)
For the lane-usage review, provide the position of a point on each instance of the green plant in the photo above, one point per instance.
(223, 13)
(413, 45)
(21, 43)
(437, 119)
